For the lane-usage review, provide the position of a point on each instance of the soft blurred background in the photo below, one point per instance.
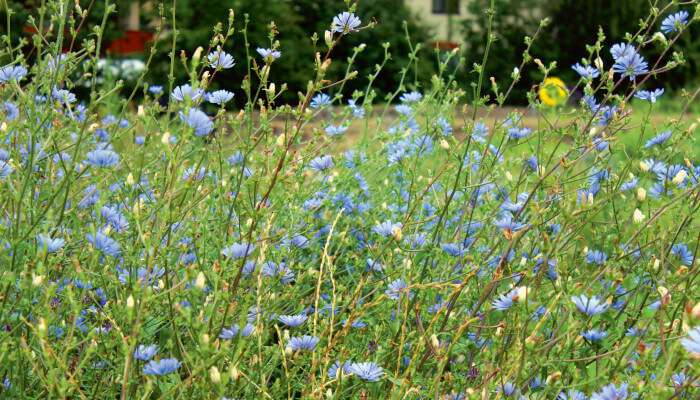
(439, 26)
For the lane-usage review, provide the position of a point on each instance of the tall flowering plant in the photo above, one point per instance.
(169, 246)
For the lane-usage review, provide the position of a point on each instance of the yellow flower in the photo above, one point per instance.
(553, 92)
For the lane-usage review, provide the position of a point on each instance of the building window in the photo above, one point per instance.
(445, 6)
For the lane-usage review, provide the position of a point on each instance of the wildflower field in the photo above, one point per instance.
(163, 246)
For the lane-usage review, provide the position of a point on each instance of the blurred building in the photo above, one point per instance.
(444, 17)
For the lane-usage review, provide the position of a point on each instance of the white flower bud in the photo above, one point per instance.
(638, 217)
(37, 280)
(165, 139)
(695, 312)
(509, 176)
(444, 144)
(523, 294)
(141, 111)
(197, 54)
(130, 302)
(680, 177)
(434, 341)
(214, 374)
(234, 373)
(201, 281)
(641, 194)
(398, 235)
(598, 63)
(644, 166)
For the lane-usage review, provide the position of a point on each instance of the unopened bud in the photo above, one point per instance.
(434, 341)
(130, 302)
(523, 294)
(130, 179)
(444, 144)
(37, 280)
(680, 177)
(3, 127)
(644, 166)
(200, 282)
(234, 373)
(598, 62)
(205, 338)
(93, 127)
(214, 374)
(509, 176)
(641, 194)
(165, 139)
(695, 312)
(197, 54)
(271, 89)
(329, 38)
(141, 111)
(638, 216)
(42, 325)
(398, 234)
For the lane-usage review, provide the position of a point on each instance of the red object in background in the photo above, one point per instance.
(445, 45)
(132, 42)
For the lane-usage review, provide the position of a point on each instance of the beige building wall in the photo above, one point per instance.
(445, 26)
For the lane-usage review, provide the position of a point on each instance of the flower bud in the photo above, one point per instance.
(130, 302)
(214, 374)
(598, 62)
(200, 282)
(329, 38)
(641, 194)
(234, 373)
(434, 341)
(37, 280)
(638, 217)
(444, 144)
(509, 176)
(165, 139)
(141, 111)
(644, 166)
(523, 294)
(197, 54)
(680, 177)
(3, 127)
(695, 312)
(42, 325)
(130, 179)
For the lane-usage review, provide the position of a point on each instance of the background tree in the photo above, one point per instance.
(566, 42)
